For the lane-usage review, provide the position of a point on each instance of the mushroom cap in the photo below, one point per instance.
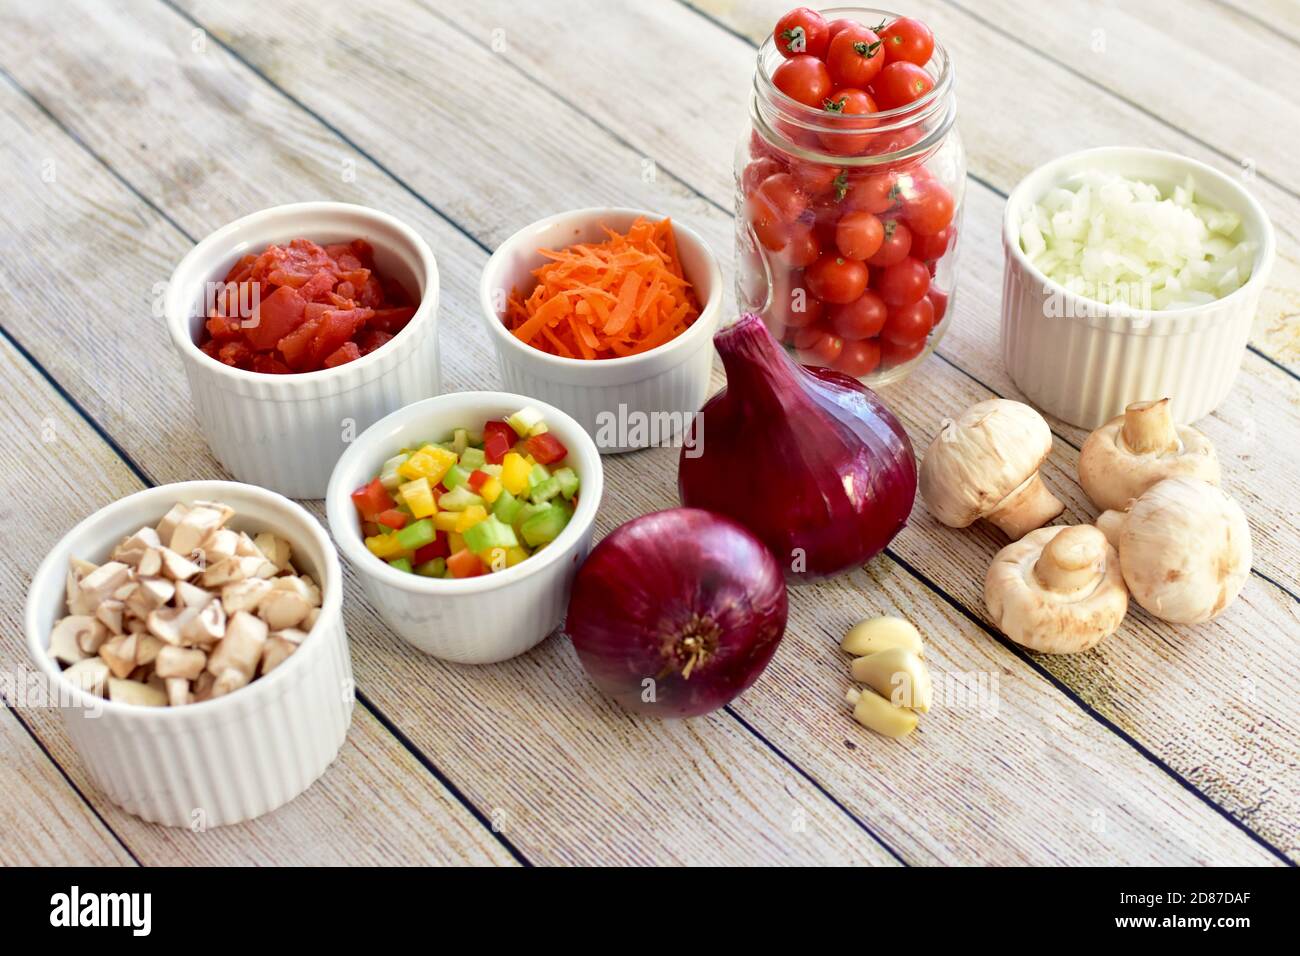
(1185, 550)
(1043, 619)
(1112, 474)
(980, 457)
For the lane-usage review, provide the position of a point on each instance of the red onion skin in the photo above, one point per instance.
(667, 576)
(782, 445)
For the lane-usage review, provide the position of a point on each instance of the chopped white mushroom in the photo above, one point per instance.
(134, 692)
(284, 607)
(178, 567)
(171, 519)
(220, 544)
(178, 691)
(275, 652)
(133, 548)
(152, 593)
(189, 595)
(98, 585)
(150, 563)
(241, 648)
(146, 649)
(184, 662)
(166, 623)
(244, 595)
(119, 654)
(205, 628)
(91, 675)
(193, 529)
(66, 638)
(275, 548)
(110, 615)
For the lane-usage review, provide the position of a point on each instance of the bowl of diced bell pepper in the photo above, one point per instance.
(465, 517)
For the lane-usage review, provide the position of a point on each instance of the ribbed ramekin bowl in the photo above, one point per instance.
(479, 620)
(1083, 361)
(623, 403)
(285, 432)
(224, 760)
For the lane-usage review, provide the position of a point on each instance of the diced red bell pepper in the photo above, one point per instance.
(275, 317)
(546, 448)
(393, 518)
(476, 479)
(347, 352)
(372, 500)
(465, 564)
(438, 548)
(370, 528)
(495, 448)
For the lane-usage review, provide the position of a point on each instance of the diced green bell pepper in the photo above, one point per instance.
(568, 479)
(416, 534)
(472, 458)
(455, 477)
(402, 564)
(545, 526)
(492, 533)
(537, 475)
(547, 490)
(506, 507)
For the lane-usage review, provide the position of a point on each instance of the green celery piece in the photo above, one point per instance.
(459, 440)
(527, 511)
(545, 527)
(493, 470)
(435, 568)
(492, 533)
(416, 534)
(547, 490)
(524, 421)
(388, 476)
(568, 479)
(458, 499)
(539, 474)
(455, 477)
(506, 507)
(402, 564)
(472, 458)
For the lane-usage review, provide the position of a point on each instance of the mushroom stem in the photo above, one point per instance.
(1072, 560)
(1030, 506)
(1111, 523)
(1149, 427)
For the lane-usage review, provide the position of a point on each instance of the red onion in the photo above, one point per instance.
(675, 613)
(808, 459)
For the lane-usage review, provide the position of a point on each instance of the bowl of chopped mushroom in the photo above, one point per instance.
(191, 636)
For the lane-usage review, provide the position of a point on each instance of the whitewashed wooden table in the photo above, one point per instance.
(128, 129)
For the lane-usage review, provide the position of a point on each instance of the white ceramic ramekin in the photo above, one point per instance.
(223, 760)
(474, 620)
(285, 432)
(1083, 361)
(615, 400)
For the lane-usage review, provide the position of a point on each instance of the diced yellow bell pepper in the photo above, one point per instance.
(429, 462)
(456, 542)
(446, 520)
(383, 545)
(497, 559)
(418, 496)
(514, 472)
(514, 556)
(470, 517)
(490, 490)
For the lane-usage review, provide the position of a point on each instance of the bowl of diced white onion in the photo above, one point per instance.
(1130, 274)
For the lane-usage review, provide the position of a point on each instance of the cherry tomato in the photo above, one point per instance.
(894, 247)
(842, 140)
(802, 31)
(908, 323)
(815, 179)
(835, 279)
(927, 207)
(824, 350)
(854, 57)
(771, 231)
(874, 193)
(904, 282)
(796, 307)
(803, 78)
(909, 40)
(900, 83)
(931, 247)
(783, 194)
(862, 318)
(803, 247)
(859, 358)
(892, 354)
(939, 299)
(859, 235)
(757, 171)
(806, 337)
(835, 26)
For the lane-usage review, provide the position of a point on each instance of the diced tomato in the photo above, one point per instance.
(393, 518)
(277, 315)
(318, 286)
(337, 327)
(496, 447)
(371, 339)
(268, 364)
(347, 352)
(392, 320)
(235, 354)
(546, 448)
(476, 478)
(372, 500)
(465, 564)
(222, 327)
(296, 346)
(438, 548)
(369, 291)
(242, 269)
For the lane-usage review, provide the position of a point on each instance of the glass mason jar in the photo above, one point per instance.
(816, 190)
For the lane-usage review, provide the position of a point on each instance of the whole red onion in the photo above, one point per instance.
(676, 612)
(808, 459)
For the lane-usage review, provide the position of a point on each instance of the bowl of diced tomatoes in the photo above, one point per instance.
(299, 326)
(466, 517)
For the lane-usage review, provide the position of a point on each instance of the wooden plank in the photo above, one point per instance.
(43, 820)
(1279, 18)
(1140, 776)
(411, 817)
(564, 775)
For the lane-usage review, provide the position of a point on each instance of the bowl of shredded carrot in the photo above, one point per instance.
(595, 309)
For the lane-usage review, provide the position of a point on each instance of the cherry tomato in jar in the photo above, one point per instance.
(931, 247)
(835, 279)
(863, 318)
(907, 39)
(894, 247)
(768, 227)
(758, 170)
(875, 193)
(805, 79)
(896, 353)
(939, 300)
(802, 30)
(806, 337)
(904, 282)
(823, 350)
(782, 193)
(858, 235)
(815, 179)
(927, 207)
(803, 247)
(842, 138)
(858, 358)
(855, 57)
(901, 83)
(909, 322)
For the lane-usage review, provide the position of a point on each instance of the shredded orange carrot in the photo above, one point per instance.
(608, 299)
